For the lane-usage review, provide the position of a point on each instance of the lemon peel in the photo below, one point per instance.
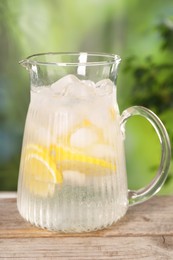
(40, 171)
(66, 157)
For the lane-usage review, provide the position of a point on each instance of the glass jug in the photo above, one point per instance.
(72, 172)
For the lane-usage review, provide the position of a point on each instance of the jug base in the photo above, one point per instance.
(70, 217)
(73, 229)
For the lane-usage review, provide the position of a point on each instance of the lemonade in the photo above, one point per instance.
(72, 172)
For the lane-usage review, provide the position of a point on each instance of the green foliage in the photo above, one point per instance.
(152, 85)
(166, 31)
(152, 80)
(122, 27)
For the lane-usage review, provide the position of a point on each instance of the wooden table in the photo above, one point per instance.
(146, 232)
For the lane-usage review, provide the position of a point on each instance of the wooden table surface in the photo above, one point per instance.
(146, 232)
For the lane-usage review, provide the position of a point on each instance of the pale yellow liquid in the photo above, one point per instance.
(90, 188)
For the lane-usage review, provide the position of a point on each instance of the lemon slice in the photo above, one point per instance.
(46, 166)
(67, 159)
(40, 171)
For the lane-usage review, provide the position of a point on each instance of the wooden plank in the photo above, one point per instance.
(88, 248)
(146, 232)
(154, 217)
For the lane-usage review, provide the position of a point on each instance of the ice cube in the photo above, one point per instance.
(66, 119)
(61, 86)
(56, 115)
(89, 83)
(83, 137)
(71, 86)
(104, 87)
(80, 90)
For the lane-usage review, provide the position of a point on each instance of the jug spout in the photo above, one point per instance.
(32, 68)
(25, 63)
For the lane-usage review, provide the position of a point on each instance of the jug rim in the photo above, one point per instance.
(108, 59)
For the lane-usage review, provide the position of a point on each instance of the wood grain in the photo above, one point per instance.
(146, 232)
(88, 248)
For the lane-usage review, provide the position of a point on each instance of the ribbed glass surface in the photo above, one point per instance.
(72, 173)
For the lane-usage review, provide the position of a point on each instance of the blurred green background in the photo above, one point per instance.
(141, 32)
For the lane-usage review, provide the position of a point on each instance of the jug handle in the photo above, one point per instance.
(143, 194)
